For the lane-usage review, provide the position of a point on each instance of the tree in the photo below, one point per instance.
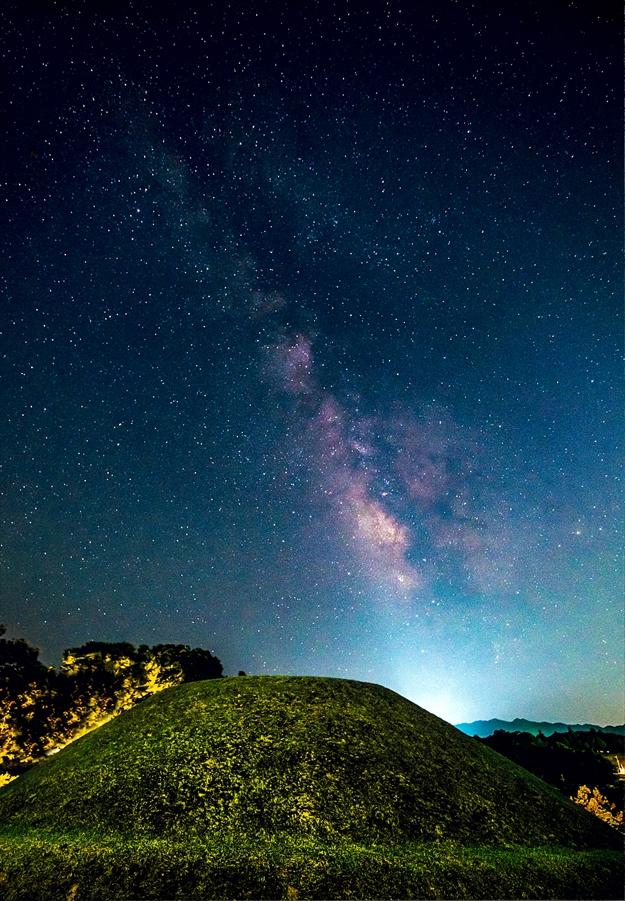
(24, 702)
(194, 664)
(42, 709)
(19, 663)
(596, 803)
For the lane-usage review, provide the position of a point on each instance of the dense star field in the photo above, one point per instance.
(311, 342)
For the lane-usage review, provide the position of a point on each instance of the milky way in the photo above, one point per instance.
(311, 344)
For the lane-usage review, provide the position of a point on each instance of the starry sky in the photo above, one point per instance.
(311, 342)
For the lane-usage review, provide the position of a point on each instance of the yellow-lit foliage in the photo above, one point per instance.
(90, 706)
(71, 664)
(42, 710)
(158, 677)
(594, 802)
(10, 746)
(118, 665)
(17, 715)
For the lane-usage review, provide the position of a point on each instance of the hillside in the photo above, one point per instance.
(317, 765)
(484, 728)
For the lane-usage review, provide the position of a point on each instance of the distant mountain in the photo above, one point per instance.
(484, 728)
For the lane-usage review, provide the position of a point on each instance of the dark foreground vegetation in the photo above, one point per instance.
(55, 867)
(271, 787)
(571, 761)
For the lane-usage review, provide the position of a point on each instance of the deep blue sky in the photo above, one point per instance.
(312, 343)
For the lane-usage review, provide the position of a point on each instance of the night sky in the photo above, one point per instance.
(312, 342)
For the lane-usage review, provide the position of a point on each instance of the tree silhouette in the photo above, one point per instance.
(41, 709)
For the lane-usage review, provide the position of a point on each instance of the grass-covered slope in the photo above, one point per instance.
(322, 757)
(37, 866)
(277, 771)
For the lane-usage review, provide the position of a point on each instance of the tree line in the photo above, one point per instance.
(43, 708)
(571, 761)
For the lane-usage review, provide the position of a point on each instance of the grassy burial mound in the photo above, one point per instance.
(277, 786)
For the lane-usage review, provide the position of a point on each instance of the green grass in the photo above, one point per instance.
(293, 787)
(50, 866)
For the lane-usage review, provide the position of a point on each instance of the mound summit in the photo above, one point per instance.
(299, 756)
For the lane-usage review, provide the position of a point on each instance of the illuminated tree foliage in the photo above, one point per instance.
(594, 802)
(42, 709)
(25, 702)
(570, 761)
